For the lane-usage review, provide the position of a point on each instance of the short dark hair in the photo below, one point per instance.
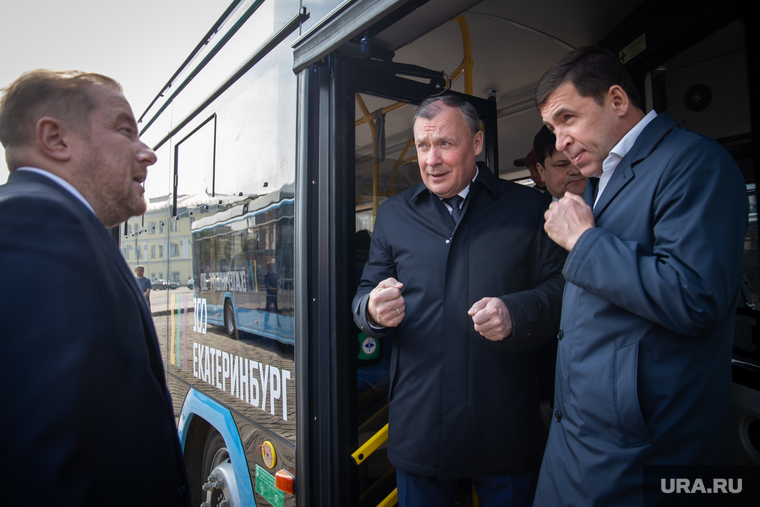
(431, 107)
(37, 93)
(544, 144)
(592, 71)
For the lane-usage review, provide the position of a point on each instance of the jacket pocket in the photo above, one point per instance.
(634, 429)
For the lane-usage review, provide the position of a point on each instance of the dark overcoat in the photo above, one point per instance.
(461, 405)
(87, 419)
(644, 361)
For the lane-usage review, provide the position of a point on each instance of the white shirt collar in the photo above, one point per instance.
(620, 150)
(65, 184)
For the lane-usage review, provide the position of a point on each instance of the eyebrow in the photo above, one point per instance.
(561, 111)
(124, 116)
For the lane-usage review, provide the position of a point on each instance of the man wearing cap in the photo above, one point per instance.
(530, 162)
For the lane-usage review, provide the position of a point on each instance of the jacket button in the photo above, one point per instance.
(558, 416)
(560, 334)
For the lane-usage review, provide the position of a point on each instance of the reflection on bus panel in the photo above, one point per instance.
(243, 264)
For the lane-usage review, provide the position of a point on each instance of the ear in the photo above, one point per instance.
(52, 137)
(478, 142)
(618, 99)
(541, 171)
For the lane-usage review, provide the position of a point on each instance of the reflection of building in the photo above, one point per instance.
(162, 243)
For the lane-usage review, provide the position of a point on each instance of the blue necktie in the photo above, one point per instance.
(454, 202)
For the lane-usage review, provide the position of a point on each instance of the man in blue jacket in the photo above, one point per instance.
(460, 267)
(652, 278)
(87, 418)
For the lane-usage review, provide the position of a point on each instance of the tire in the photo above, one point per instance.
(230, 326)
(214, 453)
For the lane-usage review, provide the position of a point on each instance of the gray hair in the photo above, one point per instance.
(431, 107)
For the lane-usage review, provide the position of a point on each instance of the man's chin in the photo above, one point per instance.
(577, 188)
(591, 170)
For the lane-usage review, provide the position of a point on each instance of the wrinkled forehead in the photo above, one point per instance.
(449, 121)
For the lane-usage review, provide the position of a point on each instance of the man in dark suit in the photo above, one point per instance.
(460, 268)
(87, 419)
(652, 281)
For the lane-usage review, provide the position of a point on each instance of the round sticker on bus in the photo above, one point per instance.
(268, 454)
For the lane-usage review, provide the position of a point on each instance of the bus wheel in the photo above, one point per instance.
(229, 318)
(217, 467)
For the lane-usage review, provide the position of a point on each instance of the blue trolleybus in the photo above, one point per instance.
(278, 138)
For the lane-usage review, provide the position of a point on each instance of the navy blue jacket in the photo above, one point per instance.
(87, 419)
(461, 405)
(644, 363)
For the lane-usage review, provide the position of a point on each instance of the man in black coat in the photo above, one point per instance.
(87, 419)
(471, 285)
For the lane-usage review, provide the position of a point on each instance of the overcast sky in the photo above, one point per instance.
(140, 43)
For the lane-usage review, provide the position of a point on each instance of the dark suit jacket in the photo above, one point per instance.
(87, 418)
(461, 405)
(644, 365)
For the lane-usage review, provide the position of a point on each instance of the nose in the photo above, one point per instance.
(145, 154)
(433, 157)
(563, 140)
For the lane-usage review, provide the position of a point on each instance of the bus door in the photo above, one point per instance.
(361, 154)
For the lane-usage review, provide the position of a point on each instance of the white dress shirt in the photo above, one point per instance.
(620, 150)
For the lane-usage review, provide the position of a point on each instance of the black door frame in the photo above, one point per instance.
(328, 424)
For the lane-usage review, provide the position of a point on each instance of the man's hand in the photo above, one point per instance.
(386, 304)
(491, 318)
(567, 219)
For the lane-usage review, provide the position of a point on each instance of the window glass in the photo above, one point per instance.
(225, 311)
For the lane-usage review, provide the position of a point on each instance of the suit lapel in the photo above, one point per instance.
(620, 178)
(644, 145)
(118, 260)
(426, 204)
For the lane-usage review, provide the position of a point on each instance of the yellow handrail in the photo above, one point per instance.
(371, 117)
(370, 445)
(390, 500)
(467, 61)
(378, 484)
(372, 421)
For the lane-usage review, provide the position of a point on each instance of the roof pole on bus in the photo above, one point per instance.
(375, 165)
(467, 63)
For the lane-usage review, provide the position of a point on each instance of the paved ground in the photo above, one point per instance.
(158, 298)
